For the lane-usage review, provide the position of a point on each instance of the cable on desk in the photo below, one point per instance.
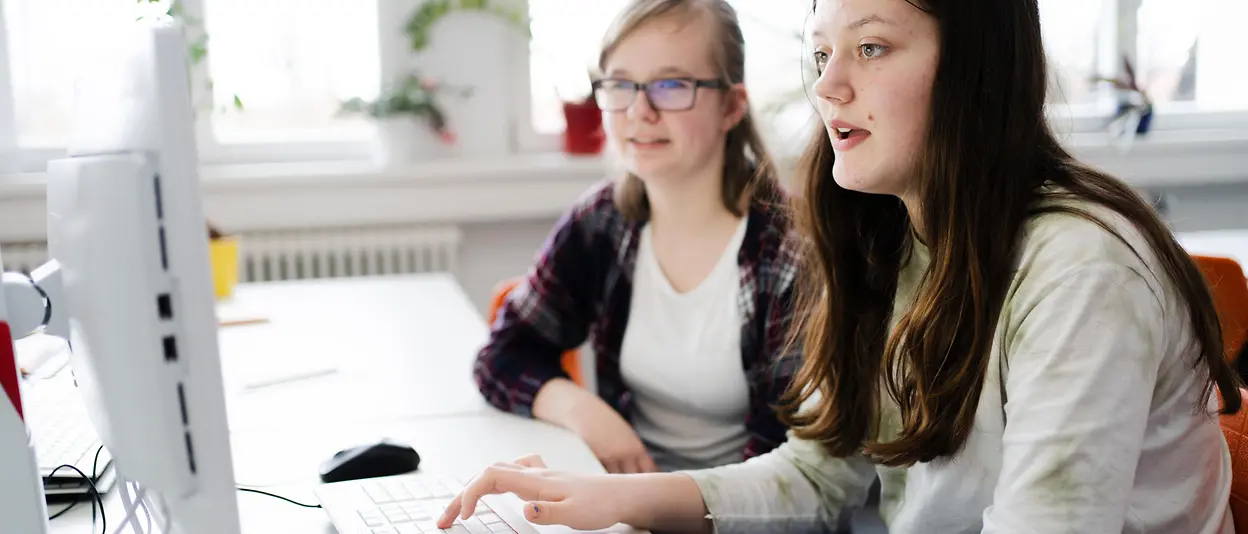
(94, 491)
(249, 490)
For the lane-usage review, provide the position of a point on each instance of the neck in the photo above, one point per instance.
(691, 204)
(916, 215)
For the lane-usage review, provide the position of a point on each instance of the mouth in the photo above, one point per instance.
(844, 134)
(648, 141)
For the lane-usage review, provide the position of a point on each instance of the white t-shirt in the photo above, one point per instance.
(1096, 432)
(681, 357)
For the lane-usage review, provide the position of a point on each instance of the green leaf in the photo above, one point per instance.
(197, 53)
(238, 103)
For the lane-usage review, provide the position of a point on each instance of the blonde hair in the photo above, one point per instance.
(746, 161)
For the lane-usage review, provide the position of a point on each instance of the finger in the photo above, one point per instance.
(546, 513)
(648, 465)
(500, 479)
(631, 465)
(612, 466)
(452, 510)
(532, 460)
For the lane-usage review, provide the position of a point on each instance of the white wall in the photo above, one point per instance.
(492, 252)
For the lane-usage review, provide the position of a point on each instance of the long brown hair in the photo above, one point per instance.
(988, 154)
(746, 161)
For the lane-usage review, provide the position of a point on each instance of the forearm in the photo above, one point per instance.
(663, 502)
(562, 402)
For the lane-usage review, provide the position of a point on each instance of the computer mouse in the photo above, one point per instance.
(380, 459)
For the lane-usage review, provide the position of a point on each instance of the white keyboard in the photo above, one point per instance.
(61, 431)
(406, 504)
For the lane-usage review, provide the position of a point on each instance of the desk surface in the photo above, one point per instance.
(403, 348)
(399, 347)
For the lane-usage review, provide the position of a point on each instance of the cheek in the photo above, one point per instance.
(904, 107)
(696, 127)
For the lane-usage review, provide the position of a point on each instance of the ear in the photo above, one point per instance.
(736, 104)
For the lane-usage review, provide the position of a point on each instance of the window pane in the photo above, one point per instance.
(290, 63)
(567, 36)
(1190, 52)
(1079, 41)
(47, 39)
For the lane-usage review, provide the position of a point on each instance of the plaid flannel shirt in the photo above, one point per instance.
(580, 288)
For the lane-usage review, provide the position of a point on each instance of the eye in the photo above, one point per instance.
(821, 61)
(871, 50)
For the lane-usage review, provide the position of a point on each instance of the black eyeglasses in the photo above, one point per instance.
(667, 94)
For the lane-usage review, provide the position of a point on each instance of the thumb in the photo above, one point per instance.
(546, 513)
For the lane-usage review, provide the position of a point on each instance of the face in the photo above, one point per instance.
(656, 141)
(878, 61)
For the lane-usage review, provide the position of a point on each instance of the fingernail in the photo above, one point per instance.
(537, 509)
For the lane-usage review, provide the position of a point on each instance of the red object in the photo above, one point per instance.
(583, 134)
(8, 369)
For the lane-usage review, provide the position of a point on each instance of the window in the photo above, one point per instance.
(288, 63)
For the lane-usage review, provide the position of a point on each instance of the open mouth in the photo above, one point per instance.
(847, 133)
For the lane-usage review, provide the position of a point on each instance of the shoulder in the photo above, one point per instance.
(593, 216)
(1076, 241)
(774, 237)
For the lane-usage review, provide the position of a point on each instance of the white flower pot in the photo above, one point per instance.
(403, 141)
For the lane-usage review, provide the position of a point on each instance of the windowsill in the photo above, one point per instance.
(268, 196)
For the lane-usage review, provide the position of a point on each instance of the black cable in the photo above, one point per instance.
(95, 464)
(47, 302)
(279, 497)
(94, 491)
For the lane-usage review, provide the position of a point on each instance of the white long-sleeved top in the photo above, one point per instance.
(1097, 432)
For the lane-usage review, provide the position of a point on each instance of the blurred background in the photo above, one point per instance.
(359, 137)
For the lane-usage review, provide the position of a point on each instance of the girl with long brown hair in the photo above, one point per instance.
(1012, 341)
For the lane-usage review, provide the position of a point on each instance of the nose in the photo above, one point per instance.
(641, 110)
(833, 85)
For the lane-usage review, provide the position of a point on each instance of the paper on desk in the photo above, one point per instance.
(268, 357)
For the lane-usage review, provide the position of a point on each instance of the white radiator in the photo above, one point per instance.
(302, 254)
(338, 253)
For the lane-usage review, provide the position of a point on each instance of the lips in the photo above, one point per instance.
(846, 135)
(648, 142)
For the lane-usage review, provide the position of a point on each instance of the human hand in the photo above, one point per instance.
(582, 502)
(613, 441)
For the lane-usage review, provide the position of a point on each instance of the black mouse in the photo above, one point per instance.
(381, 459)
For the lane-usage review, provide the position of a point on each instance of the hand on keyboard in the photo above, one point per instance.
(582, 502)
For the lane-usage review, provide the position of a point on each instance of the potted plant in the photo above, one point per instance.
(1134, 114)
(583, 134)
(411, 122)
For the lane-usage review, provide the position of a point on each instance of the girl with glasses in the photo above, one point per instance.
(680, 271)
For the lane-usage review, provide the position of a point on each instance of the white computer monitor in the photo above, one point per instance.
(126, 225)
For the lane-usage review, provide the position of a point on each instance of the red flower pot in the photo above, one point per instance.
(584, 133)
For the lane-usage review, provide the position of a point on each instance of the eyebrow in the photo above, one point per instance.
(864, 21)
(867, 20)
(665, 71)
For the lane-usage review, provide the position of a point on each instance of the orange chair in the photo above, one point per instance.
(1235, 428)
(1230, 297)
(571, 360)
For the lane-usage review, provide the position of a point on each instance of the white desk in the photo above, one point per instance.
(404, 347)
(1227, 243)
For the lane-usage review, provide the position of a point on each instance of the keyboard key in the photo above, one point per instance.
(407, 529)
(458, 529)
(384, 531)
(489, 517)
(475, 526)
(375, 522)
(427, 526)
(500, 528)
